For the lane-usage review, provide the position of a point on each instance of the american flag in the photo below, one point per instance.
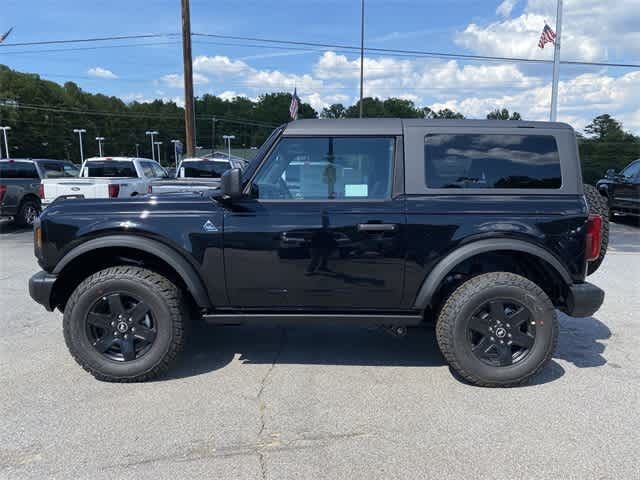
(295, 103)
(548, 36)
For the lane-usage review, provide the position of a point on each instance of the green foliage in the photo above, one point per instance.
(503, 114)
(443, 113)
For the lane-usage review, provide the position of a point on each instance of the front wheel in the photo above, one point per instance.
(125, 324)
(497, 329)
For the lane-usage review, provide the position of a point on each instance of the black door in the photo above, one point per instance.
(320, 228)
(625, 191)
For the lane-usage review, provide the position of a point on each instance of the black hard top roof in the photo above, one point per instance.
(394, 126)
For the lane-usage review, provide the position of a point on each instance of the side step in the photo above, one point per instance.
(311, 319)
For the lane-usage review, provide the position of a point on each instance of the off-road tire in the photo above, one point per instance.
(452, 323)
(25, 210)
(170, 311)
(598, 205)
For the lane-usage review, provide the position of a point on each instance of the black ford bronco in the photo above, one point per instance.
(481, 227)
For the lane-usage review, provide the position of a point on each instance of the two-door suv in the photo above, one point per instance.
(479, 226)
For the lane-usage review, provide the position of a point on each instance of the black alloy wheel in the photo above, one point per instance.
(121, 327)
(501, 332)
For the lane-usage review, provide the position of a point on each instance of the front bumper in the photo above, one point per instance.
(583, 300)
(40, 288)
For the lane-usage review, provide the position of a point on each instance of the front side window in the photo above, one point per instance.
(491, 161)
(631, 171)
(327, 168)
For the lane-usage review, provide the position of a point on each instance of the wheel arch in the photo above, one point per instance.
(110, 250)
(434, 280)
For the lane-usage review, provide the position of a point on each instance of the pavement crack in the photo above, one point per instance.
(262, 405)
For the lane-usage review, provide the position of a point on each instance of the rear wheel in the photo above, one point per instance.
(125, 324)
(497, 329)
(599, 206)
(27, 213)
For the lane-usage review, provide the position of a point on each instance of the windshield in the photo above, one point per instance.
(111, 168)
(58, 170)
(205, 169)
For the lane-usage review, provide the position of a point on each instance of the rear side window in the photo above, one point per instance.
(205, 169)
(491, 161)
(58, 170)
(111, 168)
(18, 170)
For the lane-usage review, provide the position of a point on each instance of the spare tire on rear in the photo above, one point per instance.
(598, 205)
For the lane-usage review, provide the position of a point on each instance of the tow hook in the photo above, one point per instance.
(397, 331)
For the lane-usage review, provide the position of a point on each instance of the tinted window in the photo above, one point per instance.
(631, 171)
(205, 169)
(327, 168)
(491, 161)
(18, 170)
(58, 169)
(111, 168)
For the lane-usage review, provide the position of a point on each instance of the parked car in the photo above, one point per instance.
(622, 190)
(20, 187)
(194, 174)
(479, 226)
(106, 177)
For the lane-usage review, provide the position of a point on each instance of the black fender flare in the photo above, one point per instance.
(444, 266)
(173, 258)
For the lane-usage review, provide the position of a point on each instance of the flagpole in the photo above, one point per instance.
(556, 64)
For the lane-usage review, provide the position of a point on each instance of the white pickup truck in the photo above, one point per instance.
(106, 177)
(194, 174)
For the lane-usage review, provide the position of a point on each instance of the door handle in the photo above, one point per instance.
(377, 227)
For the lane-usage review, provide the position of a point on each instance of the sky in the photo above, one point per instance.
(142, 70)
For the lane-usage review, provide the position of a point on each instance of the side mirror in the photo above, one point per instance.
(611, 173)
(231, 184)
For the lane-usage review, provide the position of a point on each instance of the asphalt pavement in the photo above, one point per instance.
(321, 403)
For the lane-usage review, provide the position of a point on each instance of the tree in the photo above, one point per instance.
(336, 110)
(503, 114)
(605, 127)
(427, 112)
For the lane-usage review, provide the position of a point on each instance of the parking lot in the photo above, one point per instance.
(321, 402)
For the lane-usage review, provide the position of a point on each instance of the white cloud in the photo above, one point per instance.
(592, 30)
(219, 65)
(100, 72)
(505, 8)
(579, 100)
(142, 98)
(175, 80)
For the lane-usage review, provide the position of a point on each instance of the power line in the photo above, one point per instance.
(348, 48)
(87, 40)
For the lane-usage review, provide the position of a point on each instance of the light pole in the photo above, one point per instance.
(158, 145)
(100, 140)
(6, 143)
(137, 150)
(175, 150)
(80, 131)
(228, 138)
(152, 133)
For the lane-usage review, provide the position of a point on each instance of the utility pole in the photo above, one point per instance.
(80, 131)
(153, 151)
(556, 63)
(6, 143)
(100, 140)
(361, 56)
(189, 116)
(137, 150)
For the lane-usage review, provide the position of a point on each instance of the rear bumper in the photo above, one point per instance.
(40, 288)
(583, 300)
